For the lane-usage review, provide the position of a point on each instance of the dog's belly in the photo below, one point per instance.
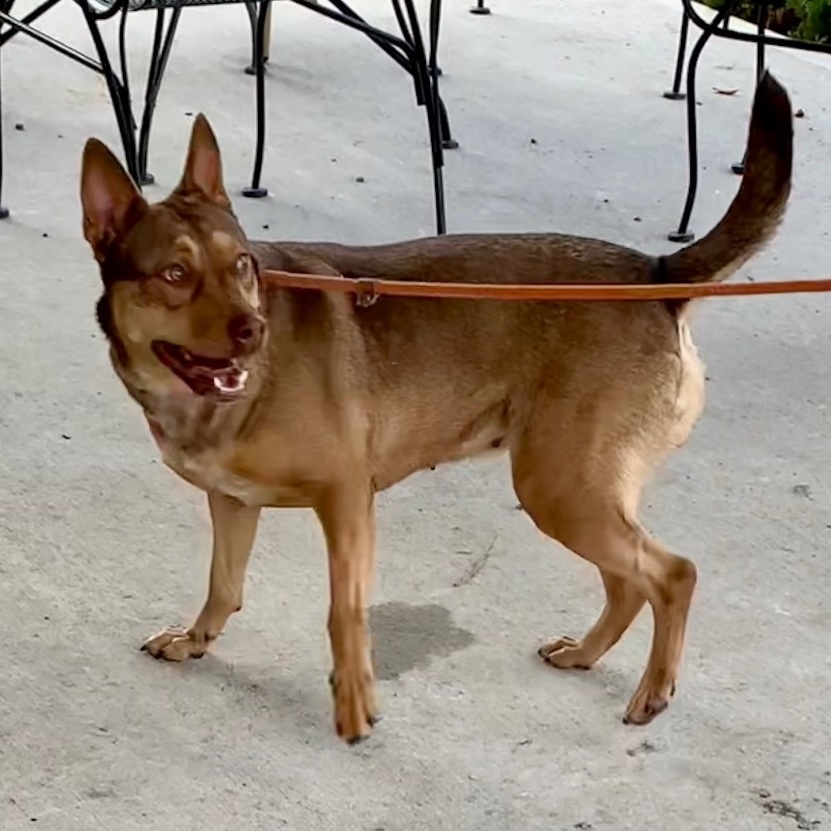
(405, 454)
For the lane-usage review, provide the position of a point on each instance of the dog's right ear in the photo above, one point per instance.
(109, 197)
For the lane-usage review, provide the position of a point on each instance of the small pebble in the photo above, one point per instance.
(20, 127)
(800, 113)
(360, 179)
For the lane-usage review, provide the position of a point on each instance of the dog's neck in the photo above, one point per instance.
(190, 423)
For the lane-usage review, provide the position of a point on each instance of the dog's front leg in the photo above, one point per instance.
(348, 521)
(234, 526)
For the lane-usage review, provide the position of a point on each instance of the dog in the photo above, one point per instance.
(263, 396)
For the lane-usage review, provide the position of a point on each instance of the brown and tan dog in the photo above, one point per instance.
(267, 397)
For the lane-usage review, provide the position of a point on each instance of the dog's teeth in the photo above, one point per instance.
(234, 382)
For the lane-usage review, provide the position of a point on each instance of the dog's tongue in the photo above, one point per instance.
(231, 380)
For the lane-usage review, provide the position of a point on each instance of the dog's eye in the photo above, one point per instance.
(175, 274)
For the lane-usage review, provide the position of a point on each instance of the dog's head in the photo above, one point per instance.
(182, 301)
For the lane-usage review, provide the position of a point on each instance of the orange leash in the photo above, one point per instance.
(368, 291)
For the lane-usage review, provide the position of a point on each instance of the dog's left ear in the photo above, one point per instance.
(203, 168)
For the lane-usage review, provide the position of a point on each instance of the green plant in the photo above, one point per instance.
(804, 19)
(814, 19)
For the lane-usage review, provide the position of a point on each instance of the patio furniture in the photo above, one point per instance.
(118, 85)
(408, 50)
(718, 26)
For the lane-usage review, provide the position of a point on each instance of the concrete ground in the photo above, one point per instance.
(562, 126)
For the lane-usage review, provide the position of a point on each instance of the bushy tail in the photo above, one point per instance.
(752, 218)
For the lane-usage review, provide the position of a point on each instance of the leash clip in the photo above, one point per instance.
(366, 294)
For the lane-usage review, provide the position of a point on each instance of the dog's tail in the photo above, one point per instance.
(758, 208)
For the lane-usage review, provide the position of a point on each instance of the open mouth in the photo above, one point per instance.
(221, 378)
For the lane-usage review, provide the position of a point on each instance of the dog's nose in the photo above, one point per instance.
(246, 330)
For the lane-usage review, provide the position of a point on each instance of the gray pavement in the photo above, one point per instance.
(558, 109)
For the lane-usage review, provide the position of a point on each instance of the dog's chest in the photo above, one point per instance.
(210, 474)
(205, 467)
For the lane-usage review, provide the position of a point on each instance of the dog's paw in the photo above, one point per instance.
(649, 701)
(356, 710)
(175, 644)
(565, 653)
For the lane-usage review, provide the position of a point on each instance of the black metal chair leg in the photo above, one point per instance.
(675, 93)
(438, 195)
(4, 211)
(480, 8)
(251, 8)
(437, 158)
(119, 95)
(431, 105)
(761, 22)
(146, 117)
(409, 53)
(256, 191)
(447, 140)
(683, 234)
(162, 44)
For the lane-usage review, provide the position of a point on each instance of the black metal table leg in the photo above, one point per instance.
(480, 8)
(255, 190)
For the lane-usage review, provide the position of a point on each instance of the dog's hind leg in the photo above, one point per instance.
(235, 527)
(588, 506)
(623, 603)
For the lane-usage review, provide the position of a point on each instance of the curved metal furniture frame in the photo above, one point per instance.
(718, 27)
(408, 50)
